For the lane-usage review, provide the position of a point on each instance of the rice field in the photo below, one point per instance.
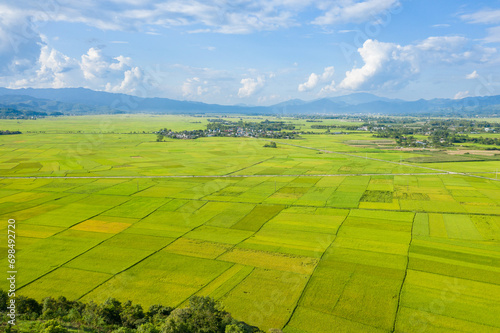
(285, 238)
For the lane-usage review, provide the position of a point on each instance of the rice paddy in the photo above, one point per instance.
(351, 240)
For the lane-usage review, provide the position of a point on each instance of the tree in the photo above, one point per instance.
(158, 313)
(53, 326)
(132, 315)
(29, 306)
(110, 311)
(204, 315)
(234, 329)
(91, 315)
(124, 330)
(271, 144)
(148, 328)
(4, 299)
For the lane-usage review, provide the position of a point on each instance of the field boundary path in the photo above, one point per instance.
(238, 176)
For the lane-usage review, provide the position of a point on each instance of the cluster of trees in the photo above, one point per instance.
(271, 144)
(265, 125)
(14, 113)
(168, 133)
(323, 126)
(447, 138)
(440, 133)
(60, 315)
(7, 132)
(221, 127)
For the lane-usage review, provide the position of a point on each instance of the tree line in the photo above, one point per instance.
(60, 315)
(7, 132)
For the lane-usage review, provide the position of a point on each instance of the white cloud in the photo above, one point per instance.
(220, 16)
(311, 83)
(123, 62)
(329, 88)
(472, 76)
(350, 11)
(385, 64)
(493, 35)
(132, 79)
(198, 89)
(315, 79)
(391, 66)
(485, 16)
(56, 69)
(93, 64)
(250, 86)
(20, 45)
(442, 25)
(462, 94)
(93, 70)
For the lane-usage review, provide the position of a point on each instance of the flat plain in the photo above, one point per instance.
(317, 235)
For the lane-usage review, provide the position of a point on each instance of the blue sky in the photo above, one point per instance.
(256, 52)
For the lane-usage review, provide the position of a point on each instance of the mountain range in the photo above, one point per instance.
(80, 101)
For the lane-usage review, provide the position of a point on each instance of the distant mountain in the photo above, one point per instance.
(367, 103)
(86, 101)
(123, 102)
(361, 98)
(30, 103)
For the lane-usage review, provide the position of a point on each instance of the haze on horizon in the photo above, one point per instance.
(254, 52)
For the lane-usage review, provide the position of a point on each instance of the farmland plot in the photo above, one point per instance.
(288, 238)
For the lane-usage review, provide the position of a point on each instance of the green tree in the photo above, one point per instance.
(124, 330)
(110, 311)
(91, 316)
(233, 328)
(4, 299)
(53, 326)
(148, 328)
(29, 306)
(204, 315)
(132, 315)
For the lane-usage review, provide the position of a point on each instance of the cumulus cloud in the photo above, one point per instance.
(93, 64)
(195, 87)
(250, 86)
(315, 79)
(389, 65)
(350, 11)
(311, 83)
(132, 79)
(20, 45)
(56, 69)
(93, 70)
(472, 76)
(329, 88)
(386, 64)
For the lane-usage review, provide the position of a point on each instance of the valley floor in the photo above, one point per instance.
(313, 236)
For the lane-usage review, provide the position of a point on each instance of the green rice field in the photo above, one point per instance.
(318, 235)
